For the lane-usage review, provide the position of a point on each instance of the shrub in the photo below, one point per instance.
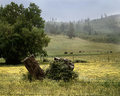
(71, 52)
(58, 70)
(65, 52)
(80, 51)
(45, 60)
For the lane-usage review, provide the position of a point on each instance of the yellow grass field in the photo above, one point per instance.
(97, 77)
(100, 76)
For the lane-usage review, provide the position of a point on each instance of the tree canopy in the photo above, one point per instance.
(21, 32)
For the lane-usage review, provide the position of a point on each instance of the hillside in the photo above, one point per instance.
(108, 24)
(105, 29)
(59, 44)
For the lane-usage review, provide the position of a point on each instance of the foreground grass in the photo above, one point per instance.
(99, 77)
(53, 88)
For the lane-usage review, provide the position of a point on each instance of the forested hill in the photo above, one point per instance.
(108, 24)
(104, 29)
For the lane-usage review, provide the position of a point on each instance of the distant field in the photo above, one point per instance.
(59, 44)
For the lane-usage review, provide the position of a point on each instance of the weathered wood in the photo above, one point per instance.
(66, 61)
(33, 67)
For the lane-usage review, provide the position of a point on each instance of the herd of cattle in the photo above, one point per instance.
(89, 52)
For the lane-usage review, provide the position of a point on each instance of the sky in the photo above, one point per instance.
(72, 10)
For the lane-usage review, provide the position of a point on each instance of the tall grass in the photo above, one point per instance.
(96, 77)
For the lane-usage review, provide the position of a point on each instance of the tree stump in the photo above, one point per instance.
(33, 67)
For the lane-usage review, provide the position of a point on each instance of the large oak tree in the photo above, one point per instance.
(21, 32)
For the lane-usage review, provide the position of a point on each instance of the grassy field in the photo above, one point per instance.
(100, 76)
(59, 44)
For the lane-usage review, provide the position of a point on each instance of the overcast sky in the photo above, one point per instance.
(70, 10)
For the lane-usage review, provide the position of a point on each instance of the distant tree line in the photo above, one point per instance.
(105, 29)
(53, 27)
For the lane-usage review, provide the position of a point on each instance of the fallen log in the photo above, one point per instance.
(33, 67)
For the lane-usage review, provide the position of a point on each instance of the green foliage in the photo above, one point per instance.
(70, 32)
(58, 70)
(87, 27)
(21, 32)
(45, 60)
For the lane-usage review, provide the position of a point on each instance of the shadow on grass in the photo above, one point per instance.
(4, 64)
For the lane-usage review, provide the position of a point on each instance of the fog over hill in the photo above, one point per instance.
(104, 29)
(82, 13)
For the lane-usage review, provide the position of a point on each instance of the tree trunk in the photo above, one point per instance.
(33, 67)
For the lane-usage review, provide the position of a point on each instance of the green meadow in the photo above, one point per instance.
(98, 76)
(60, 44)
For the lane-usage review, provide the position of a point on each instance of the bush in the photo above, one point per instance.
(65, 52)
(45, 60)
(71, 52)
(58, 70)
